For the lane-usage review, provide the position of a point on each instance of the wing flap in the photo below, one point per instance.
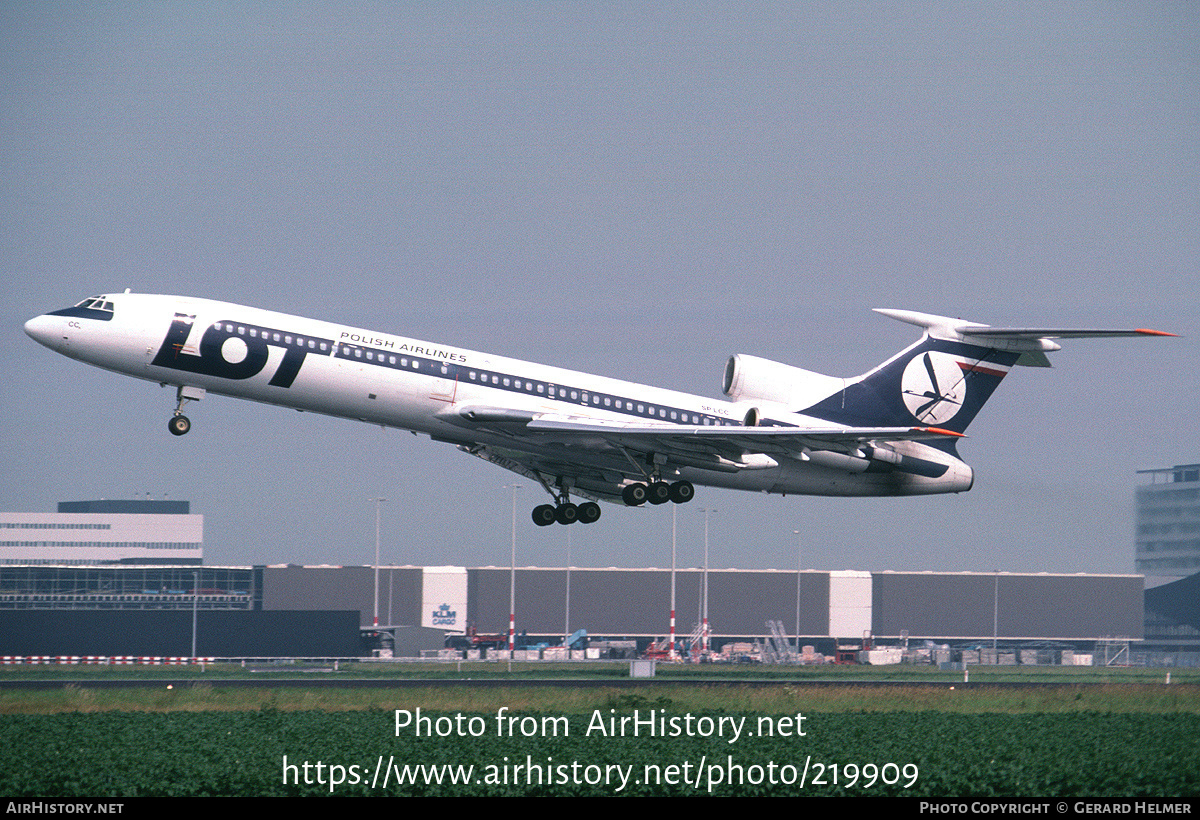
(731, 445)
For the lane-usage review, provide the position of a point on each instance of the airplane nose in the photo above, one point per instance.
(44, 329)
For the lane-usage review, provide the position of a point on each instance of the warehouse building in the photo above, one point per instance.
(625, 603)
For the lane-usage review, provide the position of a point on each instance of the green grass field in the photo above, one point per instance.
(694, 731)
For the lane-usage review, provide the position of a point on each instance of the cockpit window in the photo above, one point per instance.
(96, 303)
(93, 307)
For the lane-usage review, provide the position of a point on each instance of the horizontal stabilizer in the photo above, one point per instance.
(1032, 343)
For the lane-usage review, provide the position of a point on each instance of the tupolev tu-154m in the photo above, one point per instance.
(891, 431)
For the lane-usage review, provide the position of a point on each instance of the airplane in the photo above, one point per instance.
(892, 431)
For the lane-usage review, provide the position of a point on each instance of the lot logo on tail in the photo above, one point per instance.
(934, 387)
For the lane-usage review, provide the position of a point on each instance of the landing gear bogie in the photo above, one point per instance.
(179, 425)
(658, 492)
(566, 513)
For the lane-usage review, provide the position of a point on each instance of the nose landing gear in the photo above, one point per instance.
(179, 424)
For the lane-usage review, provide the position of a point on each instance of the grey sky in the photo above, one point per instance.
(632, 191)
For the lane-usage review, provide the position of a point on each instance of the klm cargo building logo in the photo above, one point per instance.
(445, 616)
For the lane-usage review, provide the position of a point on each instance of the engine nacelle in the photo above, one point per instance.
(750, 379)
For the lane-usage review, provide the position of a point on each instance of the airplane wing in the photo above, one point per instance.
(601, 456)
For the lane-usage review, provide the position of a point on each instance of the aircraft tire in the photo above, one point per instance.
(543, 515)
(179, 425)
(682, 492)
(589, 512)
(658, 493)
(566, 514)
(634, 495)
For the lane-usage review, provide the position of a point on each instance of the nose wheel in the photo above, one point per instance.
(179, 423)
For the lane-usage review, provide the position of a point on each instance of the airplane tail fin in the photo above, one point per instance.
(945, 378)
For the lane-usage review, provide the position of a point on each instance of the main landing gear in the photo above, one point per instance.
(566, 513)
(563, 511)
(655, 492)
(658, 492)
(179, 424)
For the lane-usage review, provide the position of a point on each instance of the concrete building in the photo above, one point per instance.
(1168, 523)
(104, 532)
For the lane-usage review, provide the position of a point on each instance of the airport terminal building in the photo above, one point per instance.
(104, 532)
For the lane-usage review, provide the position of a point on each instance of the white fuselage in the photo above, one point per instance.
(395, 381)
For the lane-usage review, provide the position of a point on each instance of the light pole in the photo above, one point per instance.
(567, 611)
(195, 606)
(995, 611)
(378, 501)
(674, 509)
(512, 578)
(799, 566)
(704, 616)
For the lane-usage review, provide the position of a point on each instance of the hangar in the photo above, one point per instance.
(551, 602)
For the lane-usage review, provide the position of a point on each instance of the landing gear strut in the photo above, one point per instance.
(179, 424)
